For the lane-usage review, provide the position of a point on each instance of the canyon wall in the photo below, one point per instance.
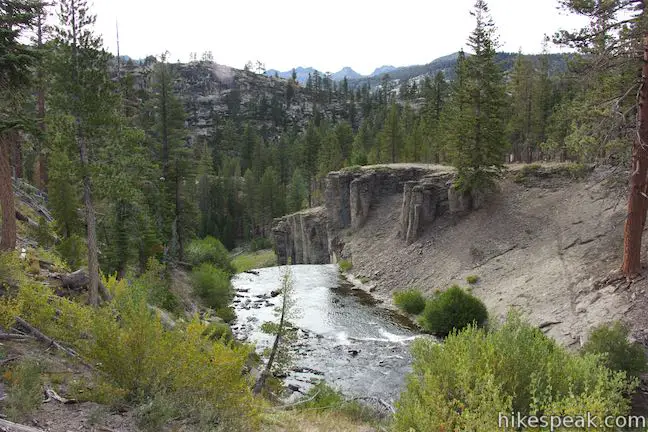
(315, 236)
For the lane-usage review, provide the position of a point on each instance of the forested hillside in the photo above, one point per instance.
(141, 176)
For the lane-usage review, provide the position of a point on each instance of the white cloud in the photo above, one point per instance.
(324, 34)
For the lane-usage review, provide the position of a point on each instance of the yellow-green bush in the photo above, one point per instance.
(25, 390)
(129, 345)
(452, 309)
(212, 285)
(466, 382)
(410, 301)
(611, 341)
(345, 265)
(210, 250)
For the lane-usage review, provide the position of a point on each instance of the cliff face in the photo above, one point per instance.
(213, 93)
(315, 236)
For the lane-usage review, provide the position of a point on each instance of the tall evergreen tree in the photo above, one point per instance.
(84, 91)
(477, 143)
(16, 61)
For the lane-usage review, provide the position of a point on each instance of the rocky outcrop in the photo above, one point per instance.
(316, 235)
(302, 237)
(423, 201)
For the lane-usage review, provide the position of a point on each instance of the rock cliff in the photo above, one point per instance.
(314, 236)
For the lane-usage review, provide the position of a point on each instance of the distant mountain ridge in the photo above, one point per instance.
(445, 64)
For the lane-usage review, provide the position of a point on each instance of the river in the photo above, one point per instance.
(343, 338)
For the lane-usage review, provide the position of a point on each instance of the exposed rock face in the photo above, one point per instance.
(423, 201)
(302, 237)
(314, 236)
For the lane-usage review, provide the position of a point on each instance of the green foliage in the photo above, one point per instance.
(156, 282)
(249, 261)
(209, 250)
(453, 309)
(410, 301)
(212, 285)
(73, 250)
(611, 341)
(218, 331)
(324, 397)
(345, 265)
(202, 377)
(474, 121)
(25, 390)
(260, 243)
(227, 314)
(464, 383)
(472, 279)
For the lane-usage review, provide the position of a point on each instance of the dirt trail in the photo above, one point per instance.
(539, 247)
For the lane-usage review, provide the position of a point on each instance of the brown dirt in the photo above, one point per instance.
(542, 248)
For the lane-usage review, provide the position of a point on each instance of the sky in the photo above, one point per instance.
(326, 35)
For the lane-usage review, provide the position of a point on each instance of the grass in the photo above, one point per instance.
(345, 265)
(254, 260)
(472, 279)
(24, 390)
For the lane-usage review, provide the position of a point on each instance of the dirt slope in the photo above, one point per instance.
(542, 247)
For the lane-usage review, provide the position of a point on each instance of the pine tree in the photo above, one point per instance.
(615, 48)
(16, 61)
(297, 192)
(83, 90)
(523, 107)
(476, 124)
(391, 137)
(175, 158)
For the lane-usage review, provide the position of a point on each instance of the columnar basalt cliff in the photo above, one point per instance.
(314, 236)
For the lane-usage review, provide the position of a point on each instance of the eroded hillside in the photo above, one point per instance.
(544, 243)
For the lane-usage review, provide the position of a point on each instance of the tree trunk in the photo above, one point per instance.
(8, 234)
(41, 174)
(178, 213)
(638, 201)
(91, 223)
(16, 154)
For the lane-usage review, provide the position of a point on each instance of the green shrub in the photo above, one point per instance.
(611, 341)
(25, 392)
(345, 265)
(227, 314)
(323, 397)
(212, 285)
(254, 260)
(452, 309)
(260, 243)
(209, 250)
(73, 250)
(466, 382)
(216, 331)
(156, 282)
(140, 360)
(472, 279)
(410, 301)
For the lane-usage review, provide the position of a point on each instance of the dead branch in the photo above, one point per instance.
(299, 402)
(51, 394)
(44, 338)
(14, 337)
(7, 426)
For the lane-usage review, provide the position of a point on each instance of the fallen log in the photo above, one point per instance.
(7, 426)
(77, 281)
(13, 336)
(24, 218)
(44, 338)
